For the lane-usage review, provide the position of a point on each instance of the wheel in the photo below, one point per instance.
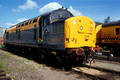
(68, 63)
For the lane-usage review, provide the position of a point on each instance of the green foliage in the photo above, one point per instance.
(1, 65)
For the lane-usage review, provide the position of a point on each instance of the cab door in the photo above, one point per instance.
(40, 39)
(44, 30)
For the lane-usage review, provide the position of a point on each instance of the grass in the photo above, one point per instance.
(1, 65)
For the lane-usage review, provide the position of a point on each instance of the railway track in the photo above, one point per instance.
(3, 76)
(97, 73)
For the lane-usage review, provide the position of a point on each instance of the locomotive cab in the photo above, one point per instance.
(51, 29)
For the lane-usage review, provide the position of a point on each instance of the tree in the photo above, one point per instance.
(107, 20)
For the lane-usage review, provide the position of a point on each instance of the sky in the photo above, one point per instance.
(16, 11)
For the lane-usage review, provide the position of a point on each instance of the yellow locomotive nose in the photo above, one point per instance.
(79, 32)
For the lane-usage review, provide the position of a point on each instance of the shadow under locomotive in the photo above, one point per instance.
(41, 57)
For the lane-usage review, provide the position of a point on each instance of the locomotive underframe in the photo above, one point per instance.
(113, 48)
(64, 57)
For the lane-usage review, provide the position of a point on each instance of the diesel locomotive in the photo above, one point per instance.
(108, 37)
(71, 38)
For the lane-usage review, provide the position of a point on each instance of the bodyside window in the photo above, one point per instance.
(117, 31)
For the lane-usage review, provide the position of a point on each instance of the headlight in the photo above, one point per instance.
(81, 27)
(90, 28)
(87, 37)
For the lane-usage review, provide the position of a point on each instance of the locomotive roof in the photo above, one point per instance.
(111, 24)
(47, 13)
(24, 21)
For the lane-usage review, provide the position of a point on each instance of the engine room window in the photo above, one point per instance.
(30, 22)
(61, 28)
(22, 25)
(18, 26)
(35, 20)
(54, 30)
(26, 23)
(117, 31)
(58, 28)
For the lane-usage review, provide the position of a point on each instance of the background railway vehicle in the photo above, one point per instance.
(1, 42)
(58, 32)
(108, 37)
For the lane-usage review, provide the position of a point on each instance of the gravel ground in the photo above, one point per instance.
(19, 68)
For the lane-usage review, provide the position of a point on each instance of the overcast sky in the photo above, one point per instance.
(15, 11)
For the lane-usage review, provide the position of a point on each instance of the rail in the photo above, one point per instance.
(97, 73)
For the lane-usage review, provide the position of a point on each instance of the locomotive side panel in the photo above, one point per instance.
(23, 34)
(28, 32)
(10, 35)
(110, 35)
(52, 37)
(98, 34)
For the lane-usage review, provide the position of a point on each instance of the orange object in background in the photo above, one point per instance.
(1, 40)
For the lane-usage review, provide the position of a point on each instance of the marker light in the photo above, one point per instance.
(87, 37)
(90, 28)
(81, 27)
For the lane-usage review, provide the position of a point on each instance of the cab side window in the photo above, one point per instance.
(46, 21)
